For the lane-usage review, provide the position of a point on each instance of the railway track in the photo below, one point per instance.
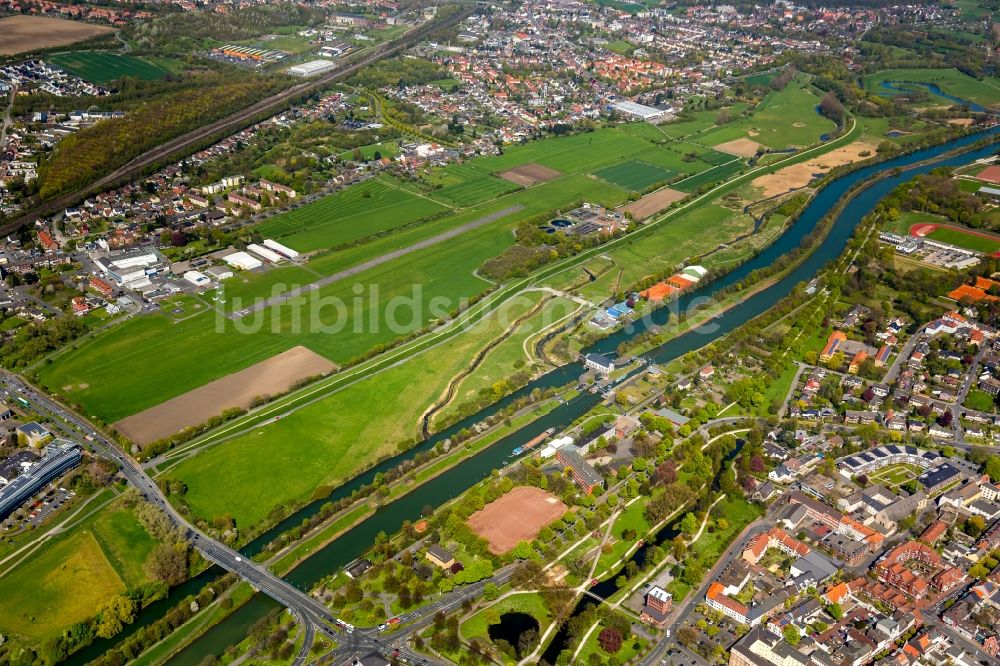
(234, 122)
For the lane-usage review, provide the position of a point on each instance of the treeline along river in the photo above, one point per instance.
(354, 542)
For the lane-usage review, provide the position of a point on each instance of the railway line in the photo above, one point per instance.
(234, 122)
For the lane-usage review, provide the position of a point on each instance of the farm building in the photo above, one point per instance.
(242, 261)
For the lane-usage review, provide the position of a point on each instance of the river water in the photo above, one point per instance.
(453, 482)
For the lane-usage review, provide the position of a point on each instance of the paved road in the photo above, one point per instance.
(679, 613)
(312, 614)
(372, 263)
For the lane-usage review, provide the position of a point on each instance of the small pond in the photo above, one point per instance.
(511, 627)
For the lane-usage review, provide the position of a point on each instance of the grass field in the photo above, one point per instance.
(325, 443)
(713, 175)
(961, 239)
(74, 574)
(950, 81)
(100, 67)
(365, 209)
(531, 603)
(893, 476)
(635, 175)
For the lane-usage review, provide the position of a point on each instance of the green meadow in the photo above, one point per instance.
(101, 67)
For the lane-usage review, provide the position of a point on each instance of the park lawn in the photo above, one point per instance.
(384, 149)
(951, 81)
(621, 47)
(631, 647)
(777, 390)
(738, 513)
(326, 442)
(980, 401)
(633, 518)
(74, 574)
(346, 216)
(968, 241)
(100, 67)
(531, 603)
(508, 355)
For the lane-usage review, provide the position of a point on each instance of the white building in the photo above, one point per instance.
(312, 68)
(265, 253)
(197, 278)
(242, 261)
(280, 249)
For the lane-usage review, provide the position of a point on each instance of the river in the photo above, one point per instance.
(453, 482)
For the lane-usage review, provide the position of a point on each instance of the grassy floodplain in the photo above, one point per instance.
(950, 81)
(74, 574)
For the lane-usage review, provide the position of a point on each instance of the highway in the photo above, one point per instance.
(194, 139)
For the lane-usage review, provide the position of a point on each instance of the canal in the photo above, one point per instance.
(453, 482)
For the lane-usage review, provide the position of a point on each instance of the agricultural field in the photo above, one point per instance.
(635, 175)
(950, 81)
(32, 33)
(101, 67)
(74, 574)
(325, 443)
(369, 208)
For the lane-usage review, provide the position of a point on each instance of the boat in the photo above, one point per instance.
(533, 443)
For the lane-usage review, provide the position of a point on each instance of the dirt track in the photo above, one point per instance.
(739, 147)
(517, 516)
(799, 175)
(529, 174)
(31, 33)
(652, 203)
(274, 375)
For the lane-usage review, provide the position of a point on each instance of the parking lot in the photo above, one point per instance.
(41, 509)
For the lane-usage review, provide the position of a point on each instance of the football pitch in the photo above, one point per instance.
(969, 241)
(635, 175)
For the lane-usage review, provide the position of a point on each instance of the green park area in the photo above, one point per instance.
(74, 574)
(101, 67)
(985, 91)
(530, 603)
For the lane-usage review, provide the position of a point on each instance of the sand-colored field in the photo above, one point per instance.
(529, 174)
(30, 33)
(652, 203)
(961, 122)
(740, 147)
(517, 516)
(275, 375)
(799, 175)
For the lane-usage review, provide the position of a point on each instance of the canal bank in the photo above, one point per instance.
(356, 540)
